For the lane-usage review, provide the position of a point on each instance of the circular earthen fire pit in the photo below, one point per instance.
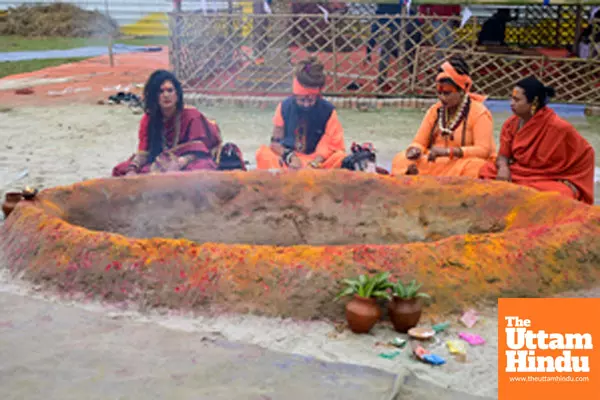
(279, 243)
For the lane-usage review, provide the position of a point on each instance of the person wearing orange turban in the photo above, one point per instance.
(456, 137)
(307, 132)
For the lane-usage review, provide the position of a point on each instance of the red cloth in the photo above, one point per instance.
(440, 10)
(546, 148)
(197, 135)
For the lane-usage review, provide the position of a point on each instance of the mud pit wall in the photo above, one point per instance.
(320, 210)
(560, 252)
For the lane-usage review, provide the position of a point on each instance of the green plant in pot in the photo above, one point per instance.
(363, 312)
(406, 305)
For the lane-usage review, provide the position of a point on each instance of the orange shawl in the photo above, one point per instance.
(549, 148)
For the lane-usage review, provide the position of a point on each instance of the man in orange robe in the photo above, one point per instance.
(307, 130)
(541, 150)
(456, 137)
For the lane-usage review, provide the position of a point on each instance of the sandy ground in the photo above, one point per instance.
(322, 340)
(60, 351)
(52, 351)
(60, 145)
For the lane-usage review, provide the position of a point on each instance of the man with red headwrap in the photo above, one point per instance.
(307, 130)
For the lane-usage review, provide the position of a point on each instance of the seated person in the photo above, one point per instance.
(171, 137)
(307, 130)
(456, 136)
(494, 29)
(541, 150)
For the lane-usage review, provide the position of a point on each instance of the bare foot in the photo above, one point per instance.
(412, 170)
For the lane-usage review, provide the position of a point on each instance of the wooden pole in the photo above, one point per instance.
(474, 36)
(333, 24)
(579, 17)
(402, 38)
(415, 73)
(558, 27)
(110, 38)
(110, 51)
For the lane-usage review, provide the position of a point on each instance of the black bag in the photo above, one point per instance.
(230, 158)
(362, 157)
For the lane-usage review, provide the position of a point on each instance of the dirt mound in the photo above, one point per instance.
(471, 242)
(57, 19)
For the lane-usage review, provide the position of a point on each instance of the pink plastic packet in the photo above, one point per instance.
(471, 338)
(469, 318)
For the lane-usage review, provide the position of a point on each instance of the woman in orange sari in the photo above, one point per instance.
(541, 150)
(171, 137)
(307, 131)
(456, 136)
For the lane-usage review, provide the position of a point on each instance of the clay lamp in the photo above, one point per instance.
(29, 193)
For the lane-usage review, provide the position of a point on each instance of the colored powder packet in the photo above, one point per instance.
(469, 318)
(471, 338)
(390, 356)
(441, 327)
(433, 359)
(420, 352)
(456, 347)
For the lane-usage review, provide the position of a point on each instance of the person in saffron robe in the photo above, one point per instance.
(456, 136)
(541, 150)
(171, 137)
(307, 132)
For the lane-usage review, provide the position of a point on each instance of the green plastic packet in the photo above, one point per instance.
(441, 327)
(390, 356)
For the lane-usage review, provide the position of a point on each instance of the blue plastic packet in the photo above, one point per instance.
(434, 359)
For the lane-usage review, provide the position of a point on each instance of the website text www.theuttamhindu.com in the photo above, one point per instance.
(549, 379)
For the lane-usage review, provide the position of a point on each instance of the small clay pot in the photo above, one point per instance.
(362, 314)
(11, 200)
(405, 314)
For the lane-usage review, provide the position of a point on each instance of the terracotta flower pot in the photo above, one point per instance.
(11, 200)
(405, 314)
(362, 314)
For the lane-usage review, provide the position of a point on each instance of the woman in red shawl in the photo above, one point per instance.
(541, 150)
(171, 137)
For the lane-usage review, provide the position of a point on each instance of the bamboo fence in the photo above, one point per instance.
(366, 55)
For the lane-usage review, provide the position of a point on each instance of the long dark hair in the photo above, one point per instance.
(152, 108)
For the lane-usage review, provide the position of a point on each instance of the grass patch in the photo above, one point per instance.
(21, 43)
(594, 121)
(21, 67)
